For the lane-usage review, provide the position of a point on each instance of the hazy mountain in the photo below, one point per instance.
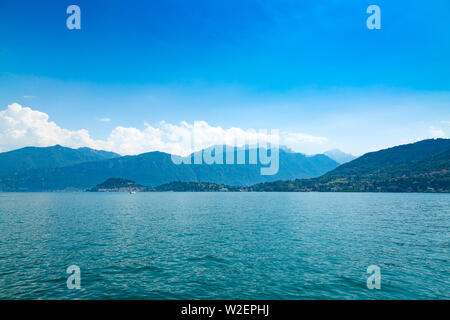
(418, 167)
(155, 168)
(32, 158)
(339, 156)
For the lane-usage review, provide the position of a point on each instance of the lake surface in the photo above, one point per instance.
(224, 245)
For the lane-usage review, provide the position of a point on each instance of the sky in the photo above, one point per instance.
(139, 75)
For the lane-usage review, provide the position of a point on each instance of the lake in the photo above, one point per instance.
(224, 245)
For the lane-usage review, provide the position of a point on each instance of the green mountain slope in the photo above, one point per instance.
(32, 158)
(420, 167)
(374, 162)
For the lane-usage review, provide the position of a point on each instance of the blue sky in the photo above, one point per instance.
(308, 67)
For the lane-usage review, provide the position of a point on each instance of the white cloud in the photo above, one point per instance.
(29, 97)
(446, 122)
(301, 138)
(435, 132)
(104, 119)
(22, 126)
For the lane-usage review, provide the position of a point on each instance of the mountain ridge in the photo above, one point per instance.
(422, 166)
(29, 158)
(156, 168)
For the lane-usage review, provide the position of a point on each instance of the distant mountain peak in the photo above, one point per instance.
(339, 156)
(286, 149)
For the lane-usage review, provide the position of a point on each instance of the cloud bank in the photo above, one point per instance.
(23, 126)
(435, 133)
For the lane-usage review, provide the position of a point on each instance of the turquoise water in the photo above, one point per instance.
(224, 245)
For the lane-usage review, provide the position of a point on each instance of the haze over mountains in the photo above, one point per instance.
(60, 168)
(339, 156)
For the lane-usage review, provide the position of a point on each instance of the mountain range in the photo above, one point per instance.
(31, 158)
(423, 166)
(59, 168)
